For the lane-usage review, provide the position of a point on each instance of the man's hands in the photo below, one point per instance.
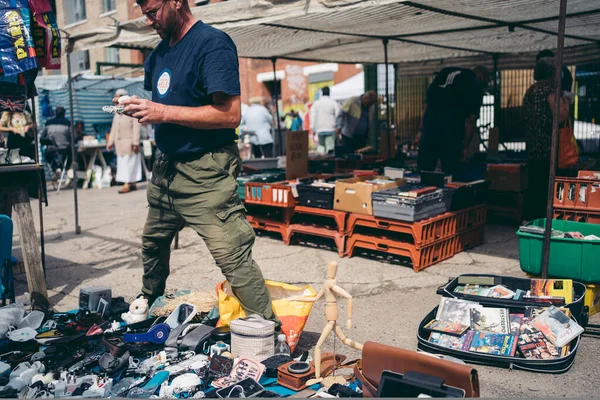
(110, 146)
(338, 132)
(135, 148)
(146, 111)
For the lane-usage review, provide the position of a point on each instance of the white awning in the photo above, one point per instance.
(352, 31)
(351, 87)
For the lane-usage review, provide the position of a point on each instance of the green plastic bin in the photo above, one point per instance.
(569, 258)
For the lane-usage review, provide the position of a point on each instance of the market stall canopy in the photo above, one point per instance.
(351, 31)
(354, 86)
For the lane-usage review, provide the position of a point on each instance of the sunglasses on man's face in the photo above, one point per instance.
(152, 13)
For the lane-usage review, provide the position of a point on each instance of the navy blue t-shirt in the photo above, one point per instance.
(186, 74)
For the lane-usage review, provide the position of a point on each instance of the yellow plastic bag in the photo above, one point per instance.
(292, 314)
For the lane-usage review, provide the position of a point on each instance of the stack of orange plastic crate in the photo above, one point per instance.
(578, 199)
(272, 207)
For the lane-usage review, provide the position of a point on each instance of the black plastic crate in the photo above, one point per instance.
(468, 195)
(311, 195)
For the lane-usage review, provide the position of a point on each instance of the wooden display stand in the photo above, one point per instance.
(14, 183)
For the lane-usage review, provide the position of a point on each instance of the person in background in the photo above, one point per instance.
(450, 116)
(538, 104)
(125, 139)
(323, 114)
(257, 123)
(352, 123)
(296, 121)
(57, 138)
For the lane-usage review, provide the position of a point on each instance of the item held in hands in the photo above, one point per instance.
(446, 327)
(157, 334)
(243, 389)
(414, 384)
(556, 326)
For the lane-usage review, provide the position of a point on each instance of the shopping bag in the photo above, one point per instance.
(292, 314)
(45, 34)
(568, 151)
(17, 51)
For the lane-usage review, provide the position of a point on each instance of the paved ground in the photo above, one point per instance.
(390, 302)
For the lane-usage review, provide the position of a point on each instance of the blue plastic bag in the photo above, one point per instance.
(17, 50)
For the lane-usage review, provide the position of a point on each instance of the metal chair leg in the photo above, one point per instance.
(62, 176)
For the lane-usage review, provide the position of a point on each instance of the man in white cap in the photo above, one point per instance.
(125, 139)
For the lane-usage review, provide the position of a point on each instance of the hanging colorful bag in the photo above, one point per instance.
(46, 35)
(17, 52)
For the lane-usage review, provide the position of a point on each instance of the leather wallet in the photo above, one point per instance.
(377, 358)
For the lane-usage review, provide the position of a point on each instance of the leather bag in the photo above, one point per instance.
(377, 358)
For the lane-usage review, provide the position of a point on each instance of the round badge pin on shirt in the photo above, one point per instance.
(164, 83)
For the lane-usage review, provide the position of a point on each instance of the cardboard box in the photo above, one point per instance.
(592, 298)
(507, 177)
(353, 195)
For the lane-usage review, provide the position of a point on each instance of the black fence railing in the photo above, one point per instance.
(503, 107)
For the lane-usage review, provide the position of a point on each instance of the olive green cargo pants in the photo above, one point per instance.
(201, 193)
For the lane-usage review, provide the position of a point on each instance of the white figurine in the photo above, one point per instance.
(138, 311)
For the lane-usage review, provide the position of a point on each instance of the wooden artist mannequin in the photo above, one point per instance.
(330, 289)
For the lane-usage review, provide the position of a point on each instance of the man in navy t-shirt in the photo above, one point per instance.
(450, 118)
(194, 78)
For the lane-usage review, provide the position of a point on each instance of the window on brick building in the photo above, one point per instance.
(80, 61)
(109, 5)
(74, 11)
(112, 55)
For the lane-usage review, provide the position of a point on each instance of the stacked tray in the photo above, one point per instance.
(265, 176)
(392, 204)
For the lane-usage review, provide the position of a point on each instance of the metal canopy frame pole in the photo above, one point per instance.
(74, 166)
(387, 97)
(275, 97)
(555, 132)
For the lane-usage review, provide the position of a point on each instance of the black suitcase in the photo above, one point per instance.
(558, 365)
(579, 311)
(555, 366)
